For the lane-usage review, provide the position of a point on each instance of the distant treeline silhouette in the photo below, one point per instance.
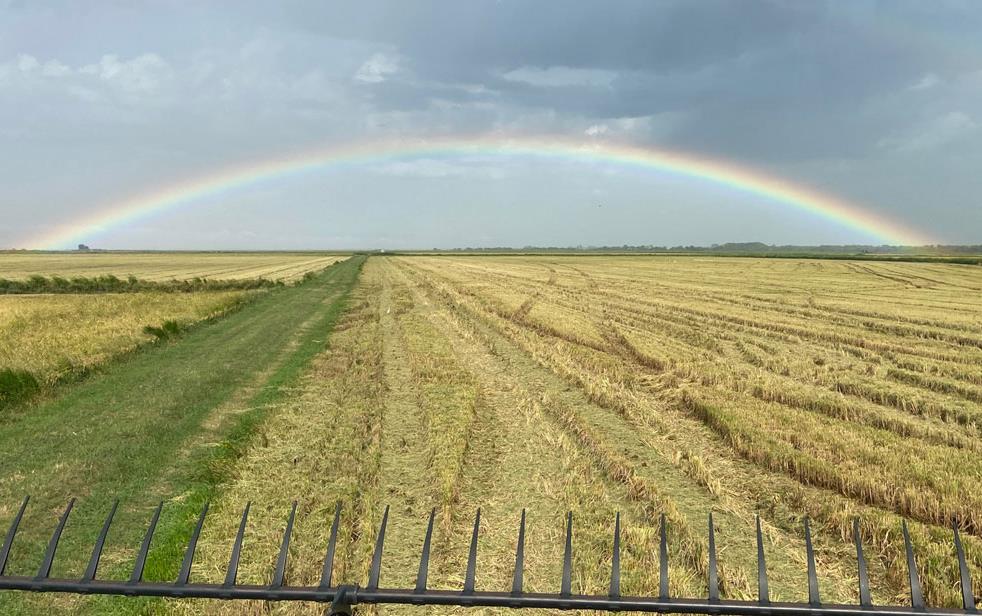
(964, 254)
(112, 284)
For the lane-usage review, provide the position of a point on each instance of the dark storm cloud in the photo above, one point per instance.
(771, 80)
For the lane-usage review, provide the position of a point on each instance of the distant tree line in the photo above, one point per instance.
(754, 247)
(131, 284)
(965, 254)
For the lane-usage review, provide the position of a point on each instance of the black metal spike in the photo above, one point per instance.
(713, 573)
(328, 572)
(141, 556)
(968, 596)
(615, 560)
(233, 561)
(424, 557)
(567, 585)
(762, 594)
(865, 599)
(280, 571)
(185, 573)
(49, 554)
(376, 569)
(517, 579)
(814, 598)
(916, 596)
(100, 542)
(663, 561)
(472, 557)
(8, 541)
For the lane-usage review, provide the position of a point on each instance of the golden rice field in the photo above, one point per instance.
(165, 266)
(644, 385)
(51, 336)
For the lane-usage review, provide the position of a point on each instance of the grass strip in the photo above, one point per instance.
(123, 432)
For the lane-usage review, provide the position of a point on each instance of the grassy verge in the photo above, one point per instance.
(125, 433)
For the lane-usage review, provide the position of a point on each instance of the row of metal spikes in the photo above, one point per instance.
(614, 591)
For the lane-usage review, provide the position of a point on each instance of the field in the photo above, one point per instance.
(47, 337)
(788, 388)
(158, 267)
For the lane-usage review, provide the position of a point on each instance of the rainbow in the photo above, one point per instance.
(725, 174)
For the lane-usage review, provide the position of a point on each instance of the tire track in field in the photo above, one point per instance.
(518, 457)
(644, 464)
(510, 369)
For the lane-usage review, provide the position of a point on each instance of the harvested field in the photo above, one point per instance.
(165, 266)
(631, 384)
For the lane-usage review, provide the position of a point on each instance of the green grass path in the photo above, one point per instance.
(126, 433)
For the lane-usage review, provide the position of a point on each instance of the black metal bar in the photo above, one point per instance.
(916, 596)
(567, 584)
(141, 557)
(478, 599)
(814, 598)
(864, 594)
(517, 579)
(233, 561)
(762, 594)
(328, 571)
(615, 560)
(100, 543)
(424, 557)
(185, 573)
(343, 597)
(8, 541)
(968, 596)
(376, 569)
(280, 571)
(472, 557)
(713, 568)
(49, 554)
(663, 562)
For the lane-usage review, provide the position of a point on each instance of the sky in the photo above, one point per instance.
(876, 103)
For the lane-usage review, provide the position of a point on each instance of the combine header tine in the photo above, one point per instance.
(762, 594)
(663, 561)
(567, 585)
(100, 542)
(332, 544)
(517, 579)
(472, 557)
(8, 541)
(49, 554)
(233, 562)
(814, 598)
(141, 557)
(280, 571)
(343, 596)
(185, 573)
(424, 557)
(865, 599)
(713, 573)
(968, 596)
(376, 570)
(615, 560)
(916, 597)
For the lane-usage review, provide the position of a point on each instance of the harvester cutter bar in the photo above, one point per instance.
(343, 597)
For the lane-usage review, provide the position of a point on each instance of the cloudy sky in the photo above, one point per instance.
(877, 103)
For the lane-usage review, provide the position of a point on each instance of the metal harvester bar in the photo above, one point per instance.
(343, 598)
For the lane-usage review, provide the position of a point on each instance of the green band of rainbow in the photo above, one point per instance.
(374, 152)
